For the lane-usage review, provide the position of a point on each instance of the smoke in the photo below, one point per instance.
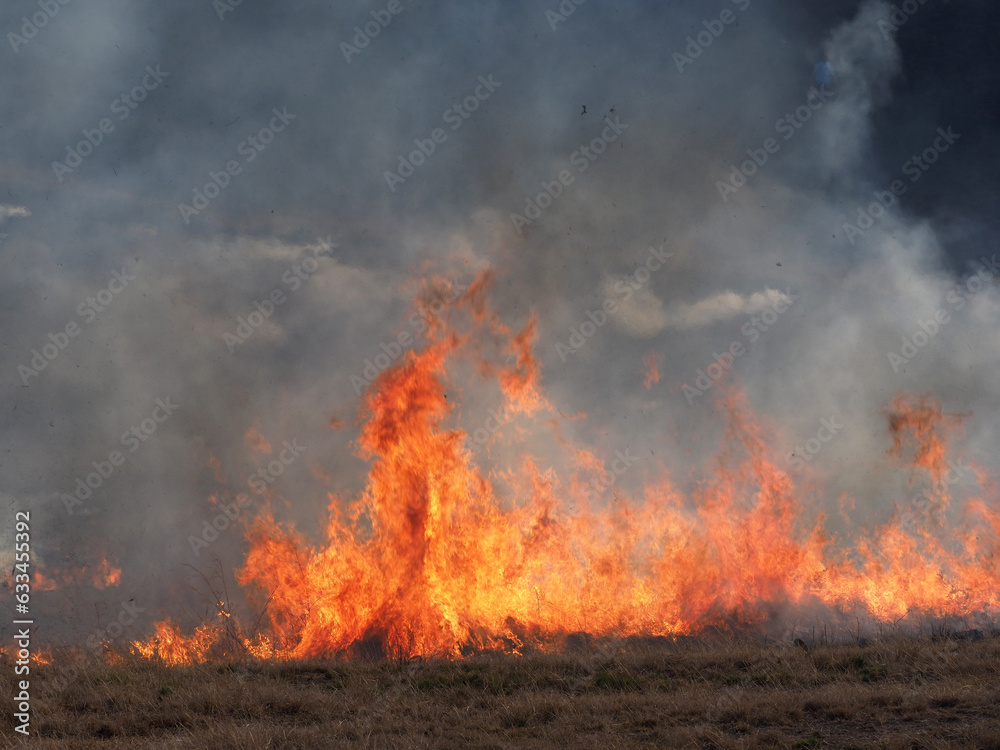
(645, 314)
(7, 211)
(301, 252)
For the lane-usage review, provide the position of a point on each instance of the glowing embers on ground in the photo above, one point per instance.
(431, 559)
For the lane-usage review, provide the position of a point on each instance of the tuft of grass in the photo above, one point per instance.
(620, 681)
(808, 742)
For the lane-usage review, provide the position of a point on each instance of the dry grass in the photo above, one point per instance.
(889, 694)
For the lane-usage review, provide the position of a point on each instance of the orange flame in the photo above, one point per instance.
(101, 576)
(173, 647)
(433, 558)
(651, 369)
(216, 466)
(255, 441)
(42, 657)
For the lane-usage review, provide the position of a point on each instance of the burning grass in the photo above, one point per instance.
(439, 555)
(892, 693)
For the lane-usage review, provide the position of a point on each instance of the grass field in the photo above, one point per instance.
(895, 693)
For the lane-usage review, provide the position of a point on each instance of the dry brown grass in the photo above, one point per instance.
(890, 694)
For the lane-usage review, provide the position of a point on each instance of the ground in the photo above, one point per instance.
(639, 693)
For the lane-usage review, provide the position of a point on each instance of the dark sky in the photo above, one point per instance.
(780, 238)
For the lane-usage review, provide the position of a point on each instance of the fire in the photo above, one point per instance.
(219, 640)
(173, 647)
(255, 441)
(435, 557)
(651, 369)
(102, 576)
(42, 657)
